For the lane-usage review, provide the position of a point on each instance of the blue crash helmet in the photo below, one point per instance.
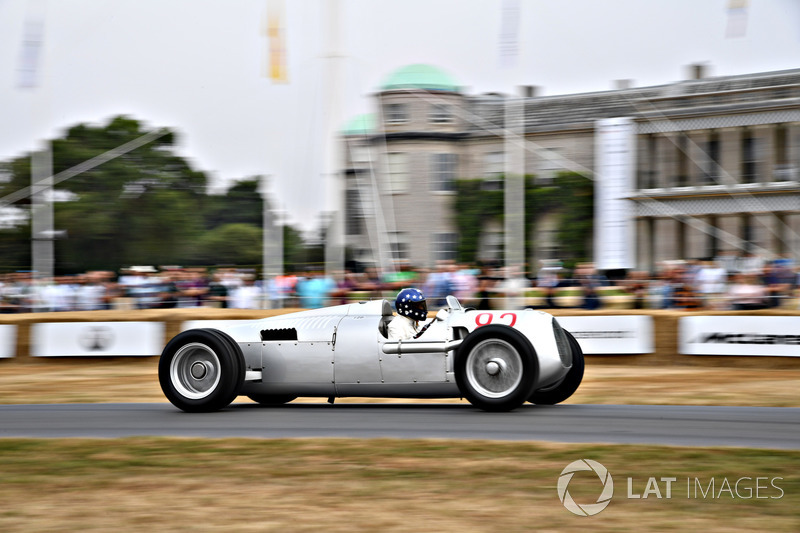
(411, 303)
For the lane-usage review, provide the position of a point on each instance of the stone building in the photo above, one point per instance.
(711, 168)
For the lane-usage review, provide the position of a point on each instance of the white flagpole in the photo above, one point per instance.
(514, 189)
(334, 238)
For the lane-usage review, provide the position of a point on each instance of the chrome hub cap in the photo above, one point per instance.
(494, 368)
(199, 370)
(195, 371)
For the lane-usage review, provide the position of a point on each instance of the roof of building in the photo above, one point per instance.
(360, 125)
(710, 95)
(420, 76)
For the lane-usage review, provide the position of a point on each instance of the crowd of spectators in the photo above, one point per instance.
(728, 282)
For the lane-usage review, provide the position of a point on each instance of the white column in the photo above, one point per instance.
(272, 248)
(514, 193)
(42, 213)
(334, 239)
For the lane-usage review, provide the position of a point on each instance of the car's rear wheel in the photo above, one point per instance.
(271, 399)
(496, 368)
(201, 370)
(566, 387)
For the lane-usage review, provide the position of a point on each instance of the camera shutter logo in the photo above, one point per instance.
(97, 338)
(581, 466)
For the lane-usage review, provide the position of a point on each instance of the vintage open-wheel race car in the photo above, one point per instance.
(497, 360)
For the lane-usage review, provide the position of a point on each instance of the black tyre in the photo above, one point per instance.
(271, 399)
(566, 387)
(496, 368)
(201, 370)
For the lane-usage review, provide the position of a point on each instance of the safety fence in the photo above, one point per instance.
(765, 339)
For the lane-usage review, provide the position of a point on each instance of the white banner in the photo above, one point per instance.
(509, 34)
(93, 339)
(611, 335)
(739, 335)
(8, 341)
(614, 179)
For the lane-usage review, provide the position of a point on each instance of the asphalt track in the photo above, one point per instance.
(757, 427)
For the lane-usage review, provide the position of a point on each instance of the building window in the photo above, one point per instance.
(748, 169)
(444, 246)
(748, 233)
(682, 145)
(398, 245)
(647, 172)
(354, 215)
(493, 167)
(398, 172)
(550, 164)
(360, 154)
(711, 168)
(395, 113)
(444, 172)
(440, 114)
(713, 237)
(784, 170)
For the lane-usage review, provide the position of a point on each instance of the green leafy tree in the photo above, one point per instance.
(571, 195)
(148, 206)
(575, 198)
(242, 203)
(15, 243)
(140, 207)
(231, 244)
(294, 250)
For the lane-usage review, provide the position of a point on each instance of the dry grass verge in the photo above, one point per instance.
(380, 485)
(136, 380)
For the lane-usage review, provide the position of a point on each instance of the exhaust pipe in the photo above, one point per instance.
(401, 347)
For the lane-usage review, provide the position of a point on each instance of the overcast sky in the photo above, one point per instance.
(198, 66)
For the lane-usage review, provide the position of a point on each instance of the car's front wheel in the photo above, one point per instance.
(566, 387)
(201, 370)
(496, 368)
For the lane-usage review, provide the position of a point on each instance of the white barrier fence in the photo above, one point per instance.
(739, 335)
(93, 339)
(731, 335)
(8, 341)
(611, 335)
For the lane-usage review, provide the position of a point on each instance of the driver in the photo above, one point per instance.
(411, 309)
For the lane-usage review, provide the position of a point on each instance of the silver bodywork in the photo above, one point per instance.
(343, 351)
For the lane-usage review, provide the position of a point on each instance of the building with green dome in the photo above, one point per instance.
(420, 77)
(705, 167)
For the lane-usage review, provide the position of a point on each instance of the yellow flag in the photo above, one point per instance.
(276, 39)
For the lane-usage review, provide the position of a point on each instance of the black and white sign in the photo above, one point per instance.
(108, 339)
(611, 335)
(739, 335)
(8, 341)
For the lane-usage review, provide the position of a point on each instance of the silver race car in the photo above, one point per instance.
(495, 359)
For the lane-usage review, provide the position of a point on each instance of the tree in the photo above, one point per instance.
(141, 207)
(241, 204)
(294, 249)
(234, 244)
(576, 216)
(571, 196)
(15, 243)
(148, 206)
